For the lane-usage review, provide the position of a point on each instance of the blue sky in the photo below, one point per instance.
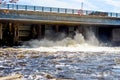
(99, 5)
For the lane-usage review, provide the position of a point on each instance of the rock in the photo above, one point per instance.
(34, 55)
(49, 76)
(1, 53)
(20, 55)
(117, 60)
(59, 68)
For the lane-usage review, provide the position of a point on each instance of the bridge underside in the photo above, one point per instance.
(16, 32)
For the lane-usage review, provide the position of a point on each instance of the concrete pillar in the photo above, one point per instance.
(71, 31)
(85, 31)
(1, 33)
(80, 29)
(11, 35)
(39, 31)
(10, 27)
(96, 31)
(34, 32)
(46, 31)
(49, 32)
(57, 28)
(16, 32)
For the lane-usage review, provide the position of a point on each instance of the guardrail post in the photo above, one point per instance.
(86, 12)
(72, 11)
(110, 14)
(8, 6)
(65, 10)
(42, 9)
(26, 7)
(50, 9)
(17, 7)
(58, 10)
(34, 8)
(116, 14)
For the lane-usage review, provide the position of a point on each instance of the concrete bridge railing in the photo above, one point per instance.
(58, 10)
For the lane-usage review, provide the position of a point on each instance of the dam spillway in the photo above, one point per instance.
(19, 23)
(57, 60)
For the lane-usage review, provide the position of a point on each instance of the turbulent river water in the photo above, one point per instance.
(68, 59)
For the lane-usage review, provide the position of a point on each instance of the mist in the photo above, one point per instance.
(52, 39)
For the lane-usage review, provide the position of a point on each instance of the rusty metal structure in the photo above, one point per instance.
(19, 23)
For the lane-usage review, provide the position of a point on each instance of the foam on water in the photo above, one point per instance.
(77, 48)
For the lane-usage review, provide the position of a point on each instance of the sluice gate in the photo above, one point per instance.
(23, 23)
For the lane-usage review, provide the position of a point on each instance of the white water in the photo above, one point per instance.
(78, 39)
(77, 44)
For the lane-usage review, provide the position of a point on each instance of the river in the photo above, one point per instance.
(73, 60)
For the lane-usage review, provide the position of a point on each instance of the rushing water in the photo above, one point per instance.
(63, 64)
(71, 59)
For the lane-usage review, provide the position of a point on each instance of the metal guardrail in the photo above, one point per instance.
(58, 10)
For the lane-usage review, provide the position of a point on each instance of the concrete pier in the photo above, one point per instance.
(1, 32)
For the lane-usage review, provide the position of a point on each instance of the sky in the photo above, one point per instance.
(97, 5)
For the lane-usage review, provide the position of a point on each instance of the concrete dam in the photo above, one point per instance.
(19, 23)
